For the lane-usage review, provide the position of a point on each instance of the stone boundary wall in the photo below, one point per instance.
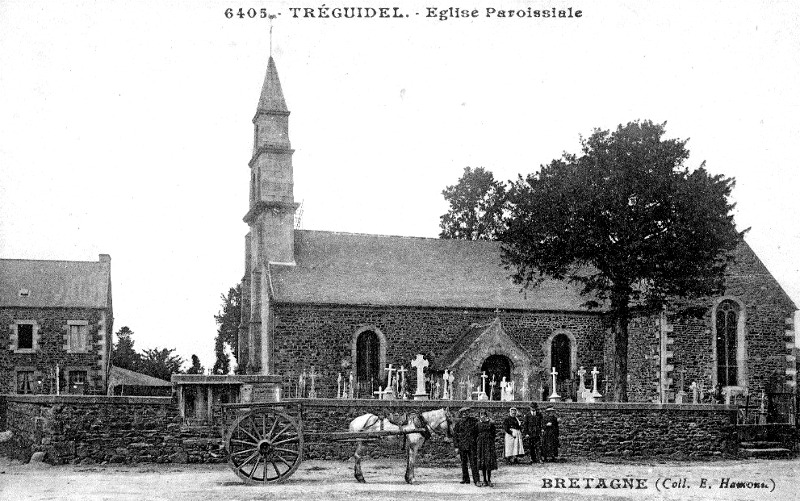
(103, 429)
(93, 429)
(592, 431)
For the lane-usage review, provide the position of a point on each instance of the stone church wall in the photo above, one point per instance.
(322, 336)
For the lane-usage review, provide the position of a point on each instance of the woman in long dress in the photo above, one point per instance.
(513, 437)
(484, 445)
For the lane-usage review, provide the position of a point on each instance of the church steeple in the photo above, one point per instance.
(271, 92)
(270, 241)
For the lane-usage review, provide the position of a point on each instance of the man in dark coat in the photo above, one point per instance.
(532, 430)
(465, 432)
(550, 435)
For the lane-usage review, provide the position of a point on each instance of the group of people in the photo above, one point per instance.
(475, 441)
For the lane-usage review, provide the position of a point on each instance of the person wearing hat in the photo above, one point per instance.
(532, 431)
(550, 435)
(484, 445)
(513, 437)
(464, 437)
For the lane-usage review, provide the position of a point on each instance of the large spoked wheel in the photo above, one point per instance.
(265, 446)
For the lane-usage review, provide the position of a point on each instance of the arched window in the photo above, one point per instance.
(560, 354)
(727, 329)
(368, 357)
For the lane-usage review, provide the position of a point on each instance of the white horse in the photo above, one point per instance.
(436, 421)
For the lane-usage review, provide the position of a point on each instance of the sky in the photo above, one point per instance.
(125, 127)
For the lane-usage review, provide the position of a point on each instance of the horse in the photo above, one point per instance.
(435, 421)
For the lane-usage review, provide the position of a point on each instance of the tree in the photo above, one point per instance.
(628, 222)
(196, 368)
(476, 206)
(228, 321)
(161, 363)
(123, 355)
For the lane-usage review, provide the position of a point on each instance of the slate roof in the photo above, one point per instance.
(119, 376)
(360, 269)
(80, 284)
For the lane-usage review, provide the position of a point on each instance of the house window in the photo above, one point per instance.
(727, 329)
(77, 382)
(25, 382)
(77, 337)
(24, 336)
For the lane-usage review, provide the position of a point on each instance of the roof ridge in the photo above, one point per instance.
(385, 235)
(48, 260)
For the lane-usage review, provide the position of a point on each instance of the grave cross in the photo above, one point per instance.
(450, 379)
(380, 392)
(420, 363)
(352, 393)
(554, 396)
(483, 382)
(402, 370)
(595, 393)
(581, 373)
(389, 371)
(313, 375)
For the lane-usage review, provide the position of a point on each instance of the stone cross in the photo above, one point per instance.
(450, 379)
(389, 370)
(339, 386)
(581, 385)
(380, 392)
(402, 371)
(313, 375)
(352, 393)
(420, 363)
(483, 382)
(595, 373)
(554, 396)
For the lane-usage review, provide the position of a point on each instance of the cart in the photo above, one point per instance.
(265, 440)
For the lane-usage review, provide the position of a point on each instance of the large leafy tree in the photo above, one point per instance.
(476, 206)
(228, 329)
(626, 220)
(161, 363)
(197, 367)
(123, 355)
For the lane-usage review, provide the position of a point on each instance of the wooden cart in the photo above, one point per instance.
(265, 441)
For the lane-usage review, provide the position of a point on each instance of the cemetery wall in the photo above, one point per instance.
(93, 429)
(322, 335)
(593, 431)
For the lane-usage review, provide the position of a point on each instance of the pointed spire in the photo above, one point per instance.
(271, 92)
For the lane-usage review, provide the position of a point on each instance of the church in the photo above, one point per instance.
(332, 303)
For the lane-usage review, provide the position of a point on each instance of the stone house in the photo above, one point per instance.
(341, 303)
(56, 322)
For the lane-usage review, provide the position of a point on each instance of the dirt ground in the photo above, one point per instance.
(333, 480)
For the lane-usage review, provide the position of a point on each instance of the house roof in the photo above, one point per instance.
(348, 268)
(119, 376)
(82, 284)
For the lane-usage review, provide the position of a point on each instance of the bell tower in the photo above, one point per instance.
(270, 218)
